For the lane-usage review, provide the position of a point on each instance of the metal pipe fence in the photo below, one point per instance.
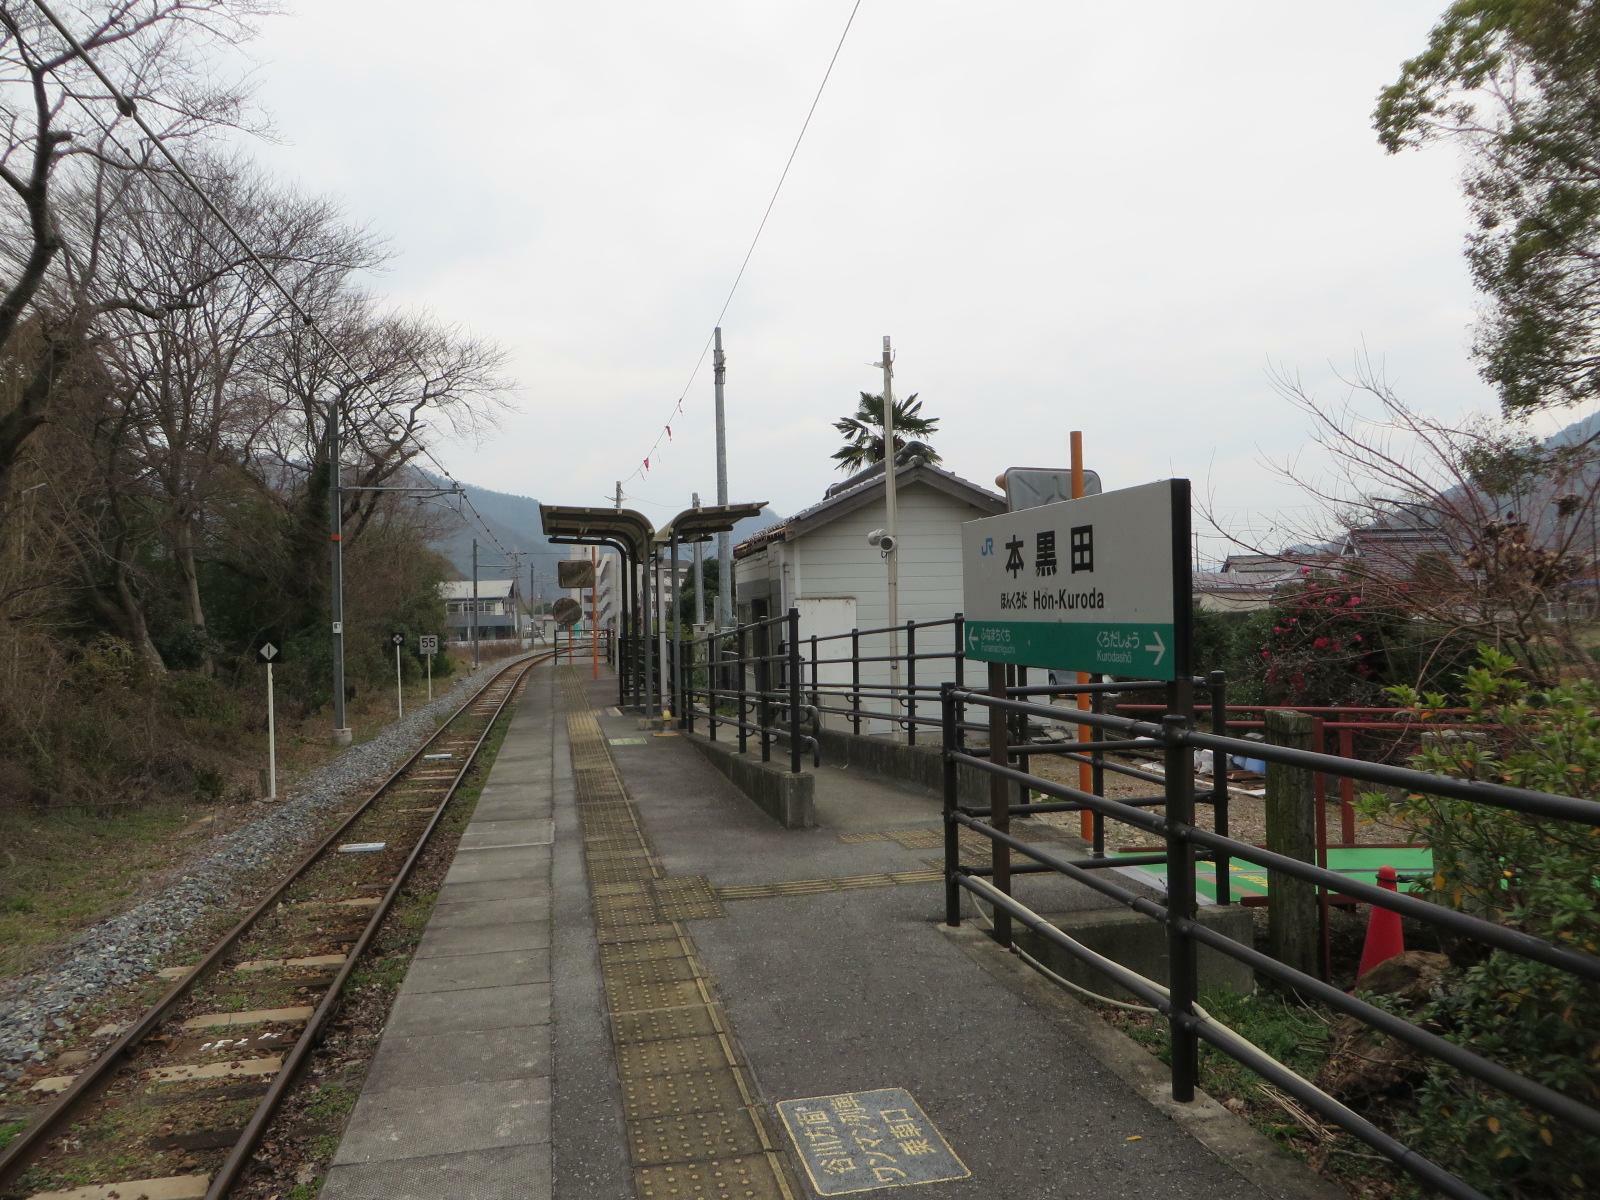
(1175, 739)
(897, 706)
(748, 678)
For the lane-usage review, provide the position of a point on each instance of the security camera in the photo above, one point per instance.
(885, 542)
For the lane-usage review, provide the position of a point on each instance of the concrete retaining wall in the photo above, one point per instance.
(1140, 944)
(921, 764)
(787, 799)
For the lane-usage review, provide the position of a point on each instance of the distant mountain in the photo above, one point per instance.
(1539, 506)
(751, 526)
(514, 520)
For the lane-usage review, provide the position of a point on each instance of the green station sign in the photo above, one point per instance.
(1100, 584)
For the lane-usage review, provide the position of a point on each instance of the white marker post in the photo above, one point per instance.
(267, 653)
(428, 643)
(399, 639)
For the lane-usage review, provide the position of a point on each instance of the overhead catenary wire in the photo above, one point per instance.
(128, 108)
(677, 407)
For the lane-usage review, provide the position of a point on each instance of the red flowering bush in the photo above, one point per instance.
(1327, 645)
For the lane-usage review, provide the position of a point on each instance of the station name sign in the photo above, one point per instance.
(1100, 584)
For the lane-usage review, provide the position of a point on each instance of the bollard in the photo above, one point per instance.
(999, 801)
(793, 666)
(952, 831)
(1218, 683)
(1182, 982)
(1291, 812)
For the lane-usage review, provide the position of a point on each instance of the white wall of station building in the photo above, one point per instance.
(838, 581)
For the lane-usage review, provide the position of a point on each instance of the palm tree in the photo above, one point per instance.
(863, 431)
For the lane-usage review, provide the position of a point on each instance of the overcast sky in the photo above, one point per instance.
(1107, 217)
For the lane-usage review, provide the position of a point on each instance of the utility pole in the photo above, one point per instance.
(619, 495)
(719, 367)
(891, 556)
(699, 576)
(475, 659)
(342, 735)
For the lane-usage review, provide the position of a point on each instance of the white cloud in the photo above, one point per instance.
(1111, 218)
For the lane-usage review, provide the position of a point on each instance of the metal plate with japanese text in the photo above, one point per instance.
(862, 1141)
(1099, 584)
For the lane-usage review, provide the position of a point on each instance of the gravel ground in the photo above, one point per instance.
(1247, 814)
(38, 1006)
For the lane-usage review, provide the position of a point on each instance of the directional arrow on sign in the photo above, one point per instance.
(1159, 649)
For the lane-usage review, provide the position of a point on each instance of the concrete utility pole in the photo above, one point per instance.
(475, 660)
(342, 735)
(661, 631)
(619, 495)
(719, 366)
(699, 576)
(891, 556)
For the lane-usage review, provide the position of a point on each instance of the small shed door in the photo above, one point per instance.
(823, 616)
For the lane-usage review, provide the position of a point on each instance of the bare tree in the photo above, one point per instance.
(60, 132)
(407, 376)
(197, 409)
(1473, 531)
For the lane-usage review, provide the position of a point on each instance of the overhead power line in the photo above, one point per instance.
(666, 428)
(128, 108)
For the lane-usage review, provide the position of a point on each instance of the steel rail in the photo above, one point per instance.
(27, 1144)
(239, 1156)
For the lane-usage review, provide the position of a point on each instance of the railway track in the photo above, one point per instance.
(173, 1108)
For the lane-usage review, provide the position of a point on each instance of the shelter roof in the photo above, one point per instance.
(590, 525)
(701, 524)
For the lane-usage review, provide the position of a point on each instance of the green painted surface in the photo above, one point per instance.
(1360, 863)
(1142, 649)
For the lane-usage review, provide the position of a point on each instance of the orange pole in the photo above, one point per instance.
(594, 613)
(1085, 772)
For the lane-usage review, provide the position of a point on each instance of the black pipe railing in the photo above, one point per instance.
(1185, 844)
(769, 654)
(751, 678)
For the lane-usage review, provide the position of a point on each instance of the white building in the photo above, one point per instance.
(499, 604)
(607, 594)
(819, 562)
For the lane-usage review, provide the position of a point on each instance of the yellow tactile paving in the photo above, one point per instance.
(694, 1128)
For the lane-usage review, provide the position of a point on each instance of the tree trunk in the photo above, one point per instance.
(118, 607)
(18, 425)
(134, 626)
(183, 555)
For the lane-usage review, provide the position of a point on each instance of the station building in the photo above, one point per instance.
(820, 562)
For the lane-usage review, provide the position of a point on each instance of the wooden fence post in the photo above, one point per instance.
(1291, 831)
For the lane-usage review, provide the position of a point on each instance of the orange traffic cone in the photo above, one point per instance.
(1384, 936)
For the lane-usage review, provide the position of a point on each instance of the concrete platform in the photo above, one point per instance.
(590, 1017)
(846, 991)
(458, 1100)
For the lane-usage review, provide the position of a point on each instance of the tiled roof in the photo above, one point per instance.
(851, 492)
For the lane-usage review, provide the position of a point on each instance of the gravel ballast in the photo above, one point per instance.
(37, 1008)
